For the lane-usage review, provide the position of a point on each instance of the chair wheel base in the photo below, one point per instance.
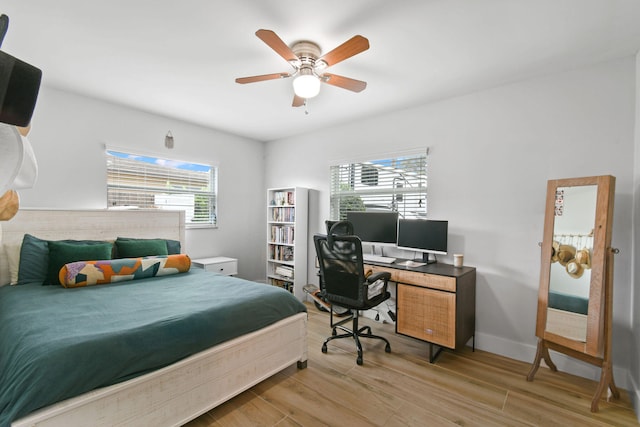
(359, 360)
(324, 348)
(387, 348)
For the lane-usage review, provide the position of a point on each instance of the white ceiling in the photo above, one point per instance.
(180, 58)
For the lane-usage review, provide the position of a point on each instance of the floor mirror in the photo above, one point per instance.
(576, 277)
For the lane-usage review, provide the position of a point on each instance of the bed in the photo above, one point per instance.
(185, 372)
(566, 302)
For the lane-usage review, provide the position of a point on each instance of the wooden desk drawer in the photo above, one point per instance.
(424, 280)
(427, 314)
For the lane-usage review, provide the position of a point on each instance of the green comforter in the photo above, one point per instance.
(56, 343)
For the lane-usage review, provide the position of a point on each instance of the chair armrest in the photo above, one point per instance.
(385, 275)
(375, 285)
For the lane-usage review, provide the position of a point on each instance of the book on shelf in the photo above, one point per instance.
(283, 234)
(283, 270)
(281, 253)
(286, 253)
(283, 214)
(282, 198)
(285, 284)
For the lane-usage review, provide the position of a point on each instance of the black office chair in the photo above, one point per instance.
(345, 285)
(340, 228)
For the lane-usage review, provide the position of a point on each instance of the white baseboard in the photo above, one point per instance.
(527, 353)
(634, 394)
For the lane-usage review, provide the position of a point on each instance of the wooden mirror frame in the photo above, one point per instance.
(596, 349)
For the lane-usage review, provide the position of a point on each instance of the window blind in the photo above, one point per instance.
(396, 184)
(153, 182)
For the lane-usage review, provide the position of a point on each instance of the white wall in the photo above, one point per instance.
(68, 137)
(491, 155)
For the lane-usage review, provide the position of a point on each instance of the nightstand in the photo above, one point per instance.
(218, 264)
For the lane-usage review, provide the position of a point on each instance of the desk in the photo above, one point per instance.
(436, 303)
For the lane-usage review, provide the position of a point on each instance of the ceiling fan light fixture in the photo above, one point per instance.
(306, 84)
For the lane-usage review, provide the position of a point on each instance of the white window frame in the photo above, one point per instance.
(133, 179)
(380, 183)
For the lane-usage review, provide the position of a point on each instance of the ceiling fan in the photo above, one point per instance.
(308, 65)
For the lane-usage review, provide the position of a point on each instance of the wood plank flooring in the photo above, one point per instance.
(402, 388)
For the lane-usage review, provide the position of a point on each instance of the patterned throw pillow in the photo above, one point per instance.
(88, 273)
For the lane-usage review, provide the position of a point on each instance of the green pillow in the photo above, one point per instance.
(136, 248)
(173, 246)
(34, 258)
(61, 253)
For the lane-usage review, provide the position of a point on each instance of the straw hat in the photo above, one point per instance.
(9, 204)
(565, 254)
(583, 257)
(24, 131)
(574, 268)
(555, 246)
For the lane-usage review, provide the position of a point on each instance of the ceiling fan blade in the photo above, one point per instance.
(261, 78)
(344, 82)
(297, 101)
(274, 42)
(351, 47)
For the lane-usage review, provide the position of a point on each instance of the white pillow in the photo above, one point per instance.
(375, 288)
(5, 278)
(12, 252)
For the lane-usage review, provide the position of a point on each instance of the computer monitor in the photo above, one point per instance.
(424, 235)
(375, 227)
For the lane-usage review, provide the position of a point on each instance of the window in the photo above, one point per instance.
(153, 182)
(396, 184)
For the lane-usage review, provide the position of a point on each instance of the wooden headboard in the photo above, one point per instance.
(99, 224)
